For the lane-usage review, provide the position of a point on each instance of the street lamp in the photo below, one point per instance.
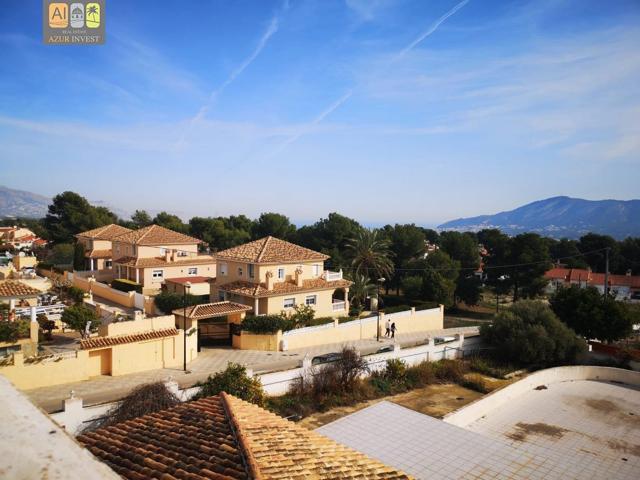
(501, 278)
(380, 282)
(187, 286)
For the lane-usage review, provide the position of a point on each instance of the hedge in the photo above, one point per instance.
(266, 324)
(125, 285)
(396, 309)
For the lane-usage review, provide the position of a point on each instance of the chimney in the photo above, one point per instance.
(299, 276)
(167, 256)
(269, 280)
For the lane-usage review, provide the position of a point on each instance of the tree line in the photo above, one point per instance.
(397, 252)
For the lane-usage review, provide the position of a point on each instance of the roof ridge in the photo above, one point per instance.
(149, 228)
(251, 464)
(263, 249)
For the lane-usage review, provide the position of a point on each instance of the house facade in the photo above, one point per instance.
(272, 275)
(98, 247)
(151, 255)
(623, 287)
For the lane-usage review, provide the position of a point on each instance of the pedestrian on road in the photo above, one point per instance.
(388, 328)
(393, 330)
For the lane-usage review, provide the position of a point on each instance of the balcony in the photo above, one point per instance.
(330, 276)
(339, 305)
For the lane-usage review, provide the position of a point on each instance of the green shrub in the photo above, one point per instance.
(486, 367)
(168, 301)
(475, 382)
(427, 306)
(78, 317)
(266, 324)
(420, 375)
(76, 294)
(449, 371)
(300, 316)
(347, 319)
(396, 309)
(395, 370)
(381, 384)
(11, 332)
(234, 381)
(125, 285)
(319, 321)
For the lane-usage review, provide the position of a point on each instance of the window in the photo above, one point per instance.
(163, 251)
(108, 264)
(316, 270)
(281, 274)
(157, 274)
(193, 271)
(182, 253)
(251, 270)
(239, 271)
(289, 303)
(223, 269)
(310, 300)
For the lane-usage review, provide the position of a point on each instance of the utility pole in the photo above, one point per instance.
(606, 272)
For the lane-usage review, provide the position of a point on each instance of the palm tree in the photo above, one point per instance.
(360, 289)
(370, 254)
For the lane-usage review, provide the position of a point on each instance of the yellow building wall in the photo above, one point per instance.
(323, 307)
(250, 341)
(29, 376)
(174, 271)
(196, 288)
(24, 262)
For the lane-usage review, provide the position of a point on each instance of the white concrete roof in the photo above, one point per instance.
(32, 446)
(428, 448)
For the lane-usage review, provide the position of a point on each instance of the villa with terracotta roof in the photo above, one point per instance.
(153, 254)
(98, 247)
(224, 437)
(624, 287)
(272, 275)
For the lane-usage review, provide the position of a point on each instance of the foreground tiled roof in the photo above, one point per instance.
(156, 235)
(101, 342)
(162, 262)
(13, 288)
(281, 288)
(98, 254)
(207, 310)
(106, 232)
(223, 437)
(270, 250)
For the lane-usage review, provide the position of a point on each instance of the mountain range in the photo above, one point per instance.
(19, 203)
(560, 217)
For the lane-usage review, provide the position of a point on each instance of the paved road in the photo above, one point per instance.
(105, 389)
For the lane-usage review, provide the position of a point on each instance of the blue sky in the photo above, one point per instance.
(383, 110)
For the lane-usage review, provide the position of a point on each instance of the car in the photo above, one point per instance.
(326, 358)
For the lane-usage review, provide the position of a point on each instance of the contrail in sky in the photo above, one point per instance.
(271, 30)
(335, 105)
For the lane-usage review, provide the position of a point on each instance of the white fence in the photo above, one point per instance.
(74, 416)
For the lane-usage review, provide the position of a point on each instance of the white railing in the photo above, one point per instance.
(46, 309)
(339, 305)
(330, 276)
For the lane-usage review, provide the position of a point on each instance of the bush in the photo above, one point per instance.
(234, 381)
(449, 371)
(420, 375)
(46, 325)
(168, 301)
(529, 333)
(266, 324)
(301, 316)
(78, 316)
(412, 287)
(395, 370)
(396, 309)
(76, 294)
(11, 332)
(319, 321)
(484, 366)
(143, 400)
(125, 285)
(475, 382)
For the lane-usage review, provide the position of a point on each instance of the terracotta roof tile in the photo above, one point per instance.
(102, 342)
(270, 250)
(224, 437)
(207, 310)
(156, 235)
(579, 275)
(107, 232)
(98, 254)
(162, 262)
(13, 288)
(190, 441)
(281, 288)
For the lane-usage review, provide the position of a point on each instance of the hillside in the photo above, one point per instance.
(18, 203)
(560, 217)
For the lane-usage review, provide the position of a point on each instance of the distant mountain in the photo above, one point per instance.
(561, 217)
(18, 203)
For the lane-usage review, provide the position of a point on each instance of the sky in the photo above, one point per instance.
(383, 110)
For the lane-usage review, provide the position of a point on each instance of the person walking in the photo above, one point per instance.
(393, 330)
(387, 328)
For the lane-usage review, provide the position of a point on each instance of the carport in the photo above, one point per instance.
(212, 321)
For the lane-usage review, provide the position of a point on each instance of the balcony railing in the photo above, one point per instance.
(330, 276)
(339, 305)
